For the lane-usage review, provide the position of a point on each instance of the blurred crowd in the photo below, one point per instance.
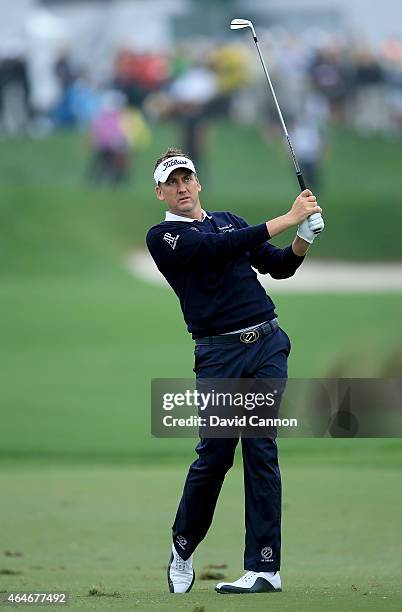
(319, 78)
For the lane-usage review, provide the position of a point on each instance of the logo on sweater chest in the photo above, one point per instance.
(226, 228)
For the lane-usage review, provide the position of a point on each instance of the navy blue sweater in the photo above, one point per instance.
(209, 266)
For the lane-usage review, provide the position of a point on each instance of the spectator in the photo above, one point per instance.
(15, 102)
(110, 149)
(392, 66)
(190, 95)
(138, 74)
(368, 103)
(331, 75)
(308, 144)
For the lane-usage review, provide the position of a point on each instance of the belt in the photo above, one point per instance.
(245, 337)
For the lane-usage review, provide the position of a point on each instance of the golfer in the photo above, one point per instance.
(208, 260)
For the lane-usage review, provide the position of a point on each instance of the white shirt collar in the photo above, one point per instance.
(172, 217)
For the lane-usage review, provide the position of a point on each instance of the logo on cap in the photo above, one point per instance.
(168, 165)
(174, 162)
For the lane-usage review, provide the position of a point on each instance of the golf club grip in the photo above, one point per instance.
(303, 187)
(301, 181)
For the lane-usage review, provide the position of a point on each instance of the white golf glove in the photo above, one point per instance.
(311, 227)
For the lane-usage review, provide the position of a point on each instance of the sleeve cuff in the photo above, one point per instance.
(292, 257)
(261, 232)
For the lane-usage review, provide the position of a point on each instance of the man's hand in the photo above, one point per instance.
(304, 206)
(311, 227)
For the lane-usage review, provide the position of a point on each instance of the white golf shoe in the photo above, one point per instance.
(252, 582)
(180, 573)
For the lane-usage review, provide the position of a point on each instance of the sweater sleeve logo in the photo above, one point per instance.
(171, 240)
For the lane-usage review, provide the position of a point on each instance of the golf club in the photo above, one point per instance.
(239, 24)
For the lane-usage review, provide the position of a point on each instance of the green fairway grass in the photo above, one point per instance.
(52, 219)
(78, 355)
(87, 495)
(78, 528)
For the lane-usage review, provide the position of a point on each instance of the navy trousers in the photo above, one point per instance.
(266, 358)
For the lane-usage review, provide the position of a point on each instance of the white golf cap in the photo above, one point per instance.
(168, 165)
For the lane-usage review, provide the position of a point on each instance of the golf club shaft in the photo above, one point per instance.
(278, 108)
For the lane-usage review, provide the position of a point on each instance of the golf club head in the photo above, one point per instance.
(240, 24)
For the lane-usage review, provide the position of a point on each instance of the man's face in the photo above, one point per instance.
(180, 192)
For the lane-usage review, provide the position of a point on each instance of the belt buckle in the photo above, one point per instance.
(248, 337)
